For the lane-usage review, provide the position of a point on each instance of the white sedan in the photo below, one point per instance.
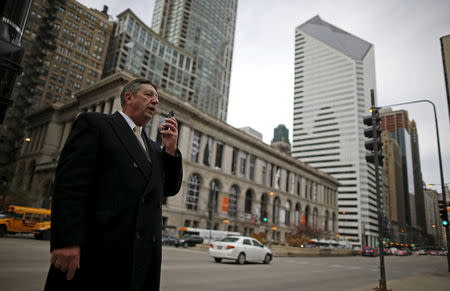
(240, 249)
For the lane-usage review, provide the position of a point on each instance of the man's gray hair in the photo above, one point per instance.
(132, 87)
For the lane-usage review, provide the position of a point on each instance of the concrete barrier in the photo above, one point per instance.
(285, 251)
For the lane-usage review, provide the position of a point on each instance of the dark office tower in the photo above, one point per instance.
(418, 181)
(397, 125)
(204, 28)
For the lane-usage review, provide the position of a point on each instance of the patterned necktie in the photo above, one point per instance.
(138, 132)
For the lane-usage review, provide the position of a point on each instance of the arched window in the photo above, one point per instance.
(276, 210)
(232, 203)
(213, 203)
(297, 214)
(287, 213)
(327, 217)
(193, 190)
(315, 218)
(264, 203)
(307, 214)
(248, 201)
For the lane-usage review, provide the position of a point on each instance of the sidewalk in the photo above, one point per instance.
(427, 282)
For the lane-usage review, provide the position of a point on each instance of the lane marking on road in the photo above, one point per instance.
(355, 268)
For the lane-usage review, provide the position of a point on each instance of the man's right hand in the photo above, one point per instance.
(67, 260)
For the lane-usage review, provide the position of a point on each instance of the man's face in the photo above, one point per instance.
(142, 105)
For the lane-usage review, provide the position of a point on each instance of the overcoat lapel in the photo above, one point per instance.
(132, 145)
(153, 149)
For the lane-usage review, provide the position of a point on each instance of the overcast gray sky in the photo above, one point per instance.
(408, 60)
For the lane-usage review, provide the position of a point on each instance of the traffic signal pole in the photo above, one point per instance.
(382, 282)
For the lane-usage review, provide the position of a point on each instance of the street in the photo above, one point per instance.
(24, 263)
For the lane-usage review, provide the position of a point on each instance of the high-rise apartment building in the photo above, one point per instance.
(138, 49)
(204, 28)
(334, 76)
(418, 180)
(398, 127)
(82, 36)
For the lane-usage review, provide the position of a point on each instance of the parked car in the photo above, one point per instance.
(241, 249)
(190, 241)
(420, 252)
(433, 253)
(401, 253)
(170, 240)
(369, 252)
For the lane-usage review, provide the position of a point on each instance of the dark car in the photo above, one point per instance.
(170, 240)
(190, 241)
(369, 252)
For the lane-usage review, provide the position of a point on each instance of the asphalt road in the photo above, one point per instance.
(25, 261)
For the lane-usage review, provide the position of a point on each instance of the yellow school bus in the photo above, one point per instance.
(21, 219)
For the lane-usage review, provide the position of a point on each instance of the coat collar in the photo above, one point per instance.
(128, 139)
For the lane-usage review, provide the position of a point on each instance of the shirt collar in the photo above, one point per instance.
(128, 120)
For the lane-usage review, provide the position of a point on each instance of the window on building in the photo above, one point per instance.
(243, 165)
(234, 160)
(233, 199)
(251, 173)
(315, 192)
(276, 211)
(248, 201)
(315, 219)
(297, 214)
(264, 204)
(219, 152)
(195, 146)
(193, 192)
(187, 222)
(207, 151)
(271, 170)
(213, 202)
(264, 173)
(287, 213)
(277, 178)
(288, 176)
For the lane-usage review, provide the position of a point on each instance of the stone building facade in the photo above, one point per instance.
(232, 181)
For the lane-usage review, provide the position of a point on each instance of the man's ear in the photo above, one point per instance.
(128, 97)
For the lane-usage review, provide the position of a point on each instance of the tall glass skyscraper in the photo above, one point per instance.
(334, 75)
(204, 28)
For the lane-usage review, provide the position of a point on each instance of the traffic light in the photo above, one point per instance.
(443, 212)
(373, 132)
(264, 219)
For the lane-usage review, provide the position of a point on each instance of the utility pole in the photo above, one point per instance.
(375, 156)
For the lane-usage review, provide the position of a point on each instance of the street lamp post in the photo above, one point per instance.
(440, 164)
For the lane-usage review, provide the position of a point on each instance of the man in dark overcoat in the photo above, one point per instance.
(107, 202)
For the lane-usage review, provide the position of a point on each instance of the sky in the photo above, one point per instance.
(408, 61)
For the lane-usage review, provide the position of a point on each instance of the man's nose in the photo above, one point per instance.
(155, 101)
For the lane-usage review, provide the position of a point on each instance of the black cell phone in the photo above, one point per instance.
(171, 114)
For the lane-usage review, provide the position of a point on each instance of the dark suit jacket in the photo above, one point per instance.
(108, 200)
